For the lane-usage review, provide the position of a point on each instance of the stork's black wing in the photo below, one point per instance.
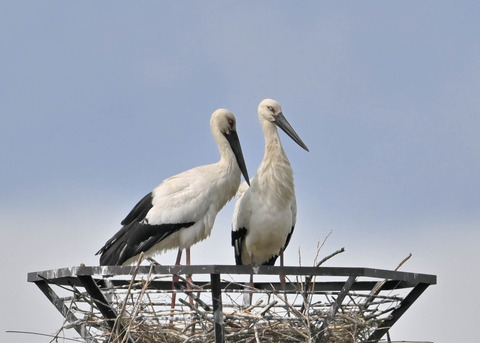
(134, 238)
(273, 259)
(238, 237)
(140, 210)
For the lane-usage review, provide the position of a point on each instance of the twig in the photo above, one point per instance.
(380, 284)
(339, 251)
(320, 246)
(378, 287)
(251, 307)
(403, 261)
(257, 339)
(191, 295)
(275, 317)
(309, 284)
(268, 307)
(44, 335)
(144, 288)
(117, 323)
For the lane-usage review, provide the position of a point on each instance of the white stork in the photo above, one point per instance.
(181, 211)
(265, 213)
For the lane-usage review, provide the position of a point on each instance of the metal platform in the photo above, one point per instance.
(325, 301)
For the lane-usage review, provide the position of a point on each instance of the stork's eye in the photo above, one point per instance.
(270, 108)
(231, 123)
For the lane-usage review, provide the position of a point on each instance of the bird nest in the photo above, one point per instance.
(302, 312)
(146, 315)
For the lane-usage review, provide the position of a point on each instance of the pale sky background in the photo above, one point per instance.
(102, 100)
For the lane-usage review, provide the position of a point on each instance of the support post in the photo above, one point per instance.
(217, 308)
(99, 299)
(69, 316)
(398, 312)
(103, 306)
(336, 305)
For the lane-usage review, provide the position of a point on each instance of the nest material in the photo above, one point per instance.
(145, 314)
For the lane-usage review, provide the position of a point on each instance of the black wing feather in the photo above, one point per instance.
(273, 259)
(134, 238)
(139, 212)
(237, 241)
(238, 237)
(288, 238)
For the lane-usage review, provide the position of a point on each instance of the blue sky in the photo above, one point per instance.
(101, 101)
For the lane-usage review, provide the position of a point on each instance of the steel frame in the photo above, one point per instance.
(93, 279)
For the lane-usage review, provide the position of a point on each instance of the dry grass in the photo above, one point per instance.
(302, 315)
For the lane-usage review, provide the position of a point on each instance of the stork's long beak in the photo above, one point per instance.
(234, 142)
(283, 123)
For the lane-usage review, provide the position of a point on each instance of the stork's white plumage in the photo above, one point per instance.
(265, 213)
(181, 211)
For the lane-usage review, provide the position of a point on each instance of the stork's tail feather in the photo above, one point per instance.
(135, 238)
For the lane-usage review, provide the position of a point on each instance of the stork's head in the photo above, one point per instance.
(271, 111)
(268, 109)
(223, 120)
(224, 124)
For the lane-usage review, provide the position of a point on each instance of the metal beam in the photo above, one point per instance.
(104, 307)
(398, 312)
(336, 305)
(328, 281)
(414, 278)
(65, 311)
(217, 308)
(102, 303)
(228, 286)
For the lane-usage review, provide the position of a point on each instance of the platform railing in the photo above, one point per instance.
(318, 302)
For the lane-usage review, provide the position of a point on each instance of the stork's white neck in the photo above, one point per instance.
(227, 171)
(227, 157)
(275, 173)
(271, 134)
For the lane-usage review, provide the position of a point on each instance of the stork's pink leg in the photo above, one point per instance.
(174, 281)
(282, 276)
(189, 276)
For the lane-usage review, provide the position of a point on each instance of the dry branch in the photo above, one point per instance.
(275, 316)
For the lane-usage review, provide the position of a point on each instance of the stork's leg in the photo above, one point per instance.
(282, 276)
(248, 295)
(251, 285)
(251, 288)
(189, 276)
(177, 262)
(174, 281)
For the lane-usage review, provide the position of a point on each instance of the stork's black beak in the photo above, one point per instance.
(234, 142)
(283, 123)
